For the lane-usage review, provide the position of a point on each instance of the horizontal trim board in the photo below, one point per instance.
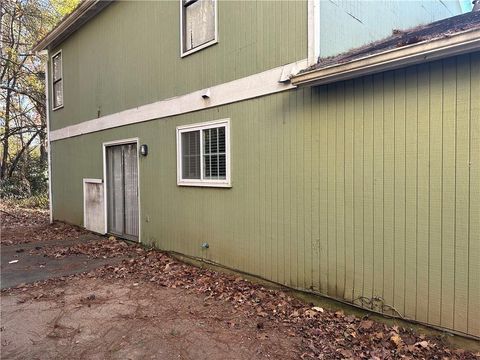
(93, 181)
(264, 83)
(457, 44)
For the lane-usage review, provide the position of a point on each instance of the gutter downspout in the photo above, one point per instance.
(49, 149)
(313, 41)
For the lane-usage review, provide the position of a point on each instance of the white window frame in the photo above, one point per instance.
(200, 127)
(52, 79)
(184, 53)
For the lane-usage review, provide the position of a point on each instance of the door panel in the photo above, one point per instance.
(115, 189)
(131, 189)
(122, 190)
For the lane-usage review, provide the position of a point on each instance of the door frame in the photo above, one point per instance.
(104, 148)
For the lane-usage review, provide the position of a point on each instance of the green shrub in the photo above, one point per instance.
(28, 181)
(34, 202)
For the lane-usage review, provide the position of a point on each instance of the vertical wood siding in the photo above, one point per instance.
(366, 190)
(129, 54)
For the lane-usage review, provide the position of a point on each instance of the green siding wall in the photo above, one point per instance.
(129, 54)
(362, 189)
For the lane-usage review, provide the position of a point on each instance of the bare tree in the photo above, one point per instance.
(22, 81)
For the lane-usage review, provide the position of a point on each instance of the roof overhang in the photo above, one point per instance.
(429, 50)
(84, 12)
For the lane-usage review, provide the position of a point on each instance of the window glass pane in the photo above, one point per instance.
(199, 23)
(206, 141)
(190, 155)
(57, 67)
(207, 166)
(58, 93)
(222, 167)
(214, 141)
(214, 166)
(221, 139)
(214, 155)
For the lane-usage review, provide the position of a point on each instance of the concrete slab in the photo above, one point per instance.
(35, 267)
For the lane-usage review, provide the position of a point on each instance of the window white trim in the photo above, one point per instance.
(199, 127)
(93, 181)
(203, 46)
(52, 81)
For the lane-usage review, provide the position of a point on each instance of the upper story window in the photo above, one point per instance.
(203, 154)
(198, 24)
(57, 80)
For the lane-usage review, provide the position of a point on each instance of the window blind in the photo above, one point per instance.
(191, 155)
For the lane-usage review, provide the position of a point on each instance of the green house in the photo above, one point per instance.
(283, 139)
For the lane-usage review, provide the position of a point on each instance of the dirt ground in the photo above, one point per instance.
(94, 319)
(140, 303)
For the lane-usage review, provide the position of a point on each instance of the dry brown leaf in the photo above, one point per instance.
(318, 335)
(295, 314)
(310, 313)
(424, 344)
(397, 340)
(366, 324)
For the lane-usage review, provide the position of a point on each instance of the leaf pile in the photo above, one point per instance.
(325, 334)
(13, 216)
(102, 248)
(20, 226)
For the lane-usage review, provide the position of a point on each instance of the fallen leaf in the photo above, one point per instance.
(366, 324)
(310, 313)
(397, 340)
(424, 344)
(330, 335)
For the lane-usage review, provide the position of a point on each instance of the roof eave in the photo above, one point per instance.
(429, 50)
(84, 12)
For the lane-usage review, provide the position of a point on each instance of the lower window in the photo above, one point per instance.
(203, 154)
